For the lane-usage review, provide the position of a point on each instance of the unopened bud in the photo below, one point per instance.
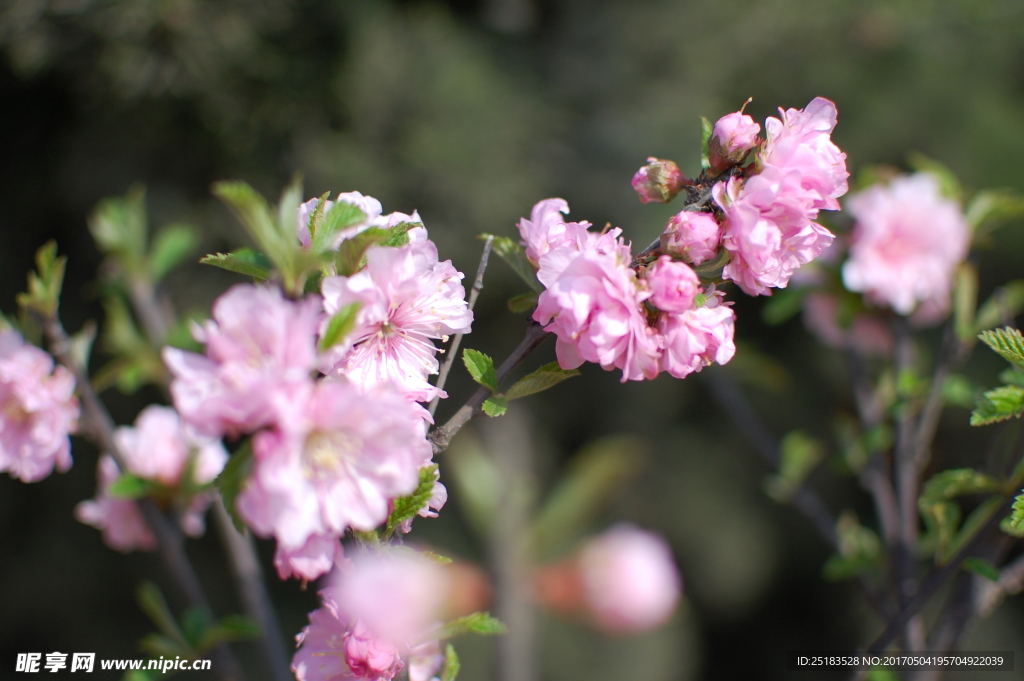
(694, 236)
(732, 139)
(658, 181)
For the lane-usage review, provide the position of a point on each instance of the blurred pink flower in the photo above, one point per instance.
(673, 285)
(630, 580)
(38, 410)
(546, 229)
(906, 245)
(865, 333)
(259, 346)
(316, 557)
(694, 236)
(159, 445)
(734, 135)
(337, 462)
(407, 299)
(658, 181)
(120, 520)
(697, 337)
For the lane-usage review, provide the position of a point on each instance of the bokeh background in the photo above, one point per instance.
(470, 111)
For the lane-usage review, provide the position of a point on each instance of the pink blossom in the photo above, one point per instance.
(371, 657)
(259, 346)
(426, 661)
(673, 285)
(768, 230)
(337, 461)
(733, 137)
(120, 520)
(370, 206)
(159, 445)
(407, 298)
(695, 338)
(316, 557)
(38, 410)
(694, 236)
(546, 229)
(630, 580)
(321, 647)
(801, 143)
(658, 181)
(906, 245)
(592, 304)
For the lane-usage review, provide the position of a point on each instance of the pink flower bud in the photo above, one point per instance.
(695, 236)
(673, 285)
(371, 657)
(630, 580)
(733, 137)
(658, 181)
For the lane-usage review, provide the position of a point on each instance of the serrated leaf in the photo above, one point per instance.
(451, 664)
(785, 304)
(341, 216)
(339, 326)
(495, 405)
(543, 378)
(171, 246)
(982, 567)
(481, 368)
(706, 129)
(999, 404)
(243, 261)
(130, 486)
(1007, 342)
(349, 258)
(1006, 302)
(478, 623)
(152, 602)
(233, 478)
(524, 302)
(406, 508)
(1015, 521)
(512, 253)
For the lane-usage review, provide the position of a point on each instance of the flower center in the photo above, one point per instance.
(325, 453)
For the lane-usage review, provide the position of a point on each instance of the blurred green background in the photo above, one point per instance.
(470, 111)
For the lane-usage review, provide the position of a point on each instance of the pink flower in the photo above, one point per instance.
(407, 299)
(694, 236)
(768, 230)
(546, 229)
(370, 206)
(259, 345)
(340, 458)
(733, 137)
(673, 285)
(658, 181)
(159, 445)
(906, 245)
(316, 557)
(592, 304)
(695, 338)
(630, 580)
(801, 142)
(370, 657)
(321, 647)
(120, 520)
(38, 410)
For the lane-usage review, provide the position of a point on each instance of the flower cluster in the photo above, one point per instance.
(337, 431)
(159, 449)
(38, 410)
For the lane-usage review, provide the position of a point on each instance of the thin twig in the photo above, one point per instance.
(453, 349)
(1011, 581)
(442, 436)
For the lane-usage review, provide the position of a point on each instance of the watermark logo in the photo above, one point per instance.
(33, 663)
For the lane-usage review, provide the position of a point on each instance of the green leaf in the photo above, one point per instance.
(481, 368)
(982, 567)
(118, 226)
(991, 206)
(253, 212)
(496, 405)
(956, 482)
(1014, 523)
(406, 508)
(451, 664)
(859, 549)
(233, 478)
(130, 486)
(543, 378)
(1007, 342)
(194, 621)
(228, 629)
(152, 602)
(342, 216)
(706, 129)
(999, 404)
(478, 623)
(171, 246)
(349, 258)
(800, 453)
(243, 261)
(524, 302)
(1012, 376)
(594, 475)
(44, 285)
(339, 326)
(785, 304)
(1006, 302)
(949, 185)
(974, 522)
(287, 213)
(957, 389)
(512, 253)
(965, 302)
